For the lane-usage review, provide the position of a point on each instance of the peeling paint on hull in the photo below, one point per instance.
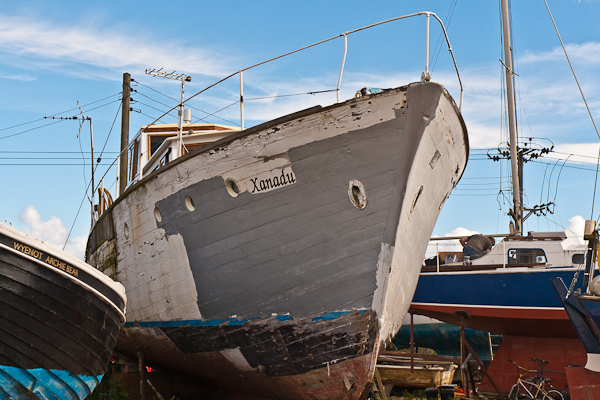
(267, 350)
(328, 263)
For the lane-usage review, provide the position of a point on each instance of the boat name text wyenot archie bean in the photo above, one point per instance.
(69, 269)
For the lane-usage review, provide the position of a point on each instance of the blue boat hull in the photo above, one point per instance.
(508, 301)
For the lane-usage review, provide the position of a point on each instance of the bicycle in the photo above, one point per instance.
(534, 387)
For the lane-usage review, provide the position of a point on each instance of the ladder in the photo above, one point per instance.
(495, 341)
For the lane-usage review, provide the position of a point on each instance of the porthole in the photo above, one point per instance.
(126, 230)
(189, 203)
(232, 187)
(357, 194)
(157, 214)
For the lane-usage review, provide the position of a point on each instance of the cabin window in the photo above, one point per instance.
(134, 160)
(578, 258)
(526, 256)
(165, 159)
(155, 142)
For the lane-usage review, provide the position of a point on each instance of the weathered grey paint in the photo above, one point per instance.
(301, 249)
(304, 248)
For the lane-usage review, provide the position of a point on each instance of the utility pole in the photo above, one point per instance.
(84, 118)
(183, 79)
(124, 132)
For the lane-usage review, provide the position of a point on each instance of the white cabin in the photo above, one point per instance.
(155, 146)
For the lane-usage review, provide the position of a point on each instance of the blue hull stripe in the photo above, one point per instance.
(231, 321)
(515, 289)
(46, 384)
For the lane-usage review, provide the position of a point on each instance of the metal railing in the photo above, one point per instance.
(425, 76)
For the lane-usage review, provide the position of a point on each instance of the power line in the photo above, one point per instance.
(108, 136)
(29, 130)
(47, 152)
(46, 165)
(44, 158)
(63, 112)
(52, 123)
(154, 108)
(194, 108)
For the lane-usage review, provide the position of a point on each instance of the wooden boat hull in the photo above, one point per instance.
(507, 301)
(307, 265)
(58, 321)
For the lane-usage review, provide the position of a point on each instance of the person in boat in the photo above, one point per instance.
(476, 246)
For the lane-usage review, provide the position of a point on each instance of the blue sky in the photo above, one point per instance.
(53, 54)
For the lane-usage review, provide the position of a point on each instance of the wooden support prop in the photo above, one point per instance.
(462, 315)
(412, 345)
(160, 397)
(468, 346)
(380, 386)
(464, 358)
(142, 372)
(470, 371)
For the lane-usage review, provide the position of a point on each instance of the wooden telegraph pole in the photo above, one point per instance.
(124, 132)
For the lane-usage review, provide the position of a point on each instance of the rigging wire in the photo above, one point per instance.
(582, 96)
(440, 42)
(595, 184)
(293, 94)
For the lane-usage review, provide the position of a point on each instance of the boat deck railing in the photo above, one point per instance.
(425, 76)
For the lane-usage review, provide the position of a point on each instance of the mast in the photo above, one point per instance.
(517, 213)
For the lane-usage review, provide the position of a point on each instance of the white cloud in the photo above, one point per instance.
(448, 245)
(24, 78)
(577, 152)
(574, 231)
(113, 48)
(52, 231)
(586, 53)
(574, 234)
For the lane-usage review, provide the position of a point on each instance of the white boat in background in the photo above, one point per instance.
(278, 260)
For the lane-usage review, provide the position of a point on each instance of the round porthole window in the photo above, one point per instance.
(126, 230)
(189, 203)
(157, 214)
(232, 187)
(357, 194)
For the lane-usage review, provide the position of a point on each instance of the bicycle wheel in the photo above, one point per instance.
(555, 394)
(517, 394)
(514, 392)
